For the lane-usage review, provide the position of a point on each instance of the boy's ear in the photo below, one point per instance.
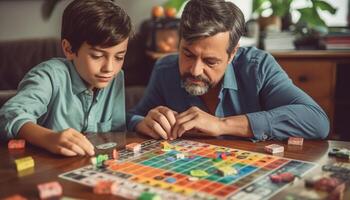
(67, 49)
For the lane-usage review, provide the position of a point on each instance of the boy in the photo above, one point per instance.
(60, 99)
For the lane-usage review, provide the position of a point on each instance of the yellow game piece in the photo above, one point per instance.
(166, 146)
(24, 163)
(199, 173)
(227, 171)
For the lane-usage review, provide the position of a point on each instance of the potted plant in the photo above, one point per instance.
(309, 16)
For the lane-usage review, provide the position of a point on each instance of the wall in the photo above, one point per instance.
(22, 18)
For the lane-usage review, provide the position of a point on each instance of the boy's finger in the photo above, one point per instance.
(66, 152)
(84, 145)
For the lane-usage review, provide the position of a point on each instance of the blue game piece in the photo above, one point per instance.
(170, 180)
(170, 159)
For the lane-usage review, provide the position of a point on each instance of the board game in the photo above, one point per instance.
(160, 171)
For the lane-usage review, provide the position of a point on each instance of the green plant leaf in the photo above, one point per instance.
(324, 6)
(174, 3)
(257, 6)
(311, 17)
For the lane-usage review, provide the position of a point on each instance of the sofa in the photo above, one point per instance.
(18, 57)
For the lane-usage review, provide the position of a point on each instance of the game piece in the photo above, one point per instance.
(16, 144)
(115, 188)
(166, 146)
(49, 189)
(15, 197)
(337, 193)
(93, 161)
(100, 159)
(283, 177)
(135, 147)
(227, 171)
(194, 177)
(340, 153)
(24, 163)
(295, 141)
(274, 148)
(180, 156)
(198, 173)
(103, 187)
(148, 196)
(115, 154)
(106, 145)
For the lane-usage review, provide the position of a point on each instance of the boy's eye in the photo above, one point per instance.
(119, 58)
(95, 56)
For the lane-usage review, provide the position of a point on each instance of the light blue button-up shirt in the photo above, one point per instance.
(254, 84)
(53, 95)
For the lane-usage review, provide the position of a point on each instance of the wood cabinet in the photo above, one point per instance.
(315, 73)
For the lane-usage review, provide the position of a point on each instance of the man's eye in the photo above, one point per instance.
(211, 64)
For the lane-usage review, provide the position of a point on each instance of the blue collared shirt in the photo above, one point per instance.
(53, 95)
(254, 84)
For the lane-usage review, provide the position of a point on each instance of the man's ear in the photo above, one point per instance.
(67, 49)
(232, 55)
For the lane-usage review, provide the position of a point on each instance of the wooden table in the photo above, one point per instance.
(49, 166)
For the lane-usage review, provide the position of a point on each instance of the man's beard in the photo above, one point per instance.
(195, 89)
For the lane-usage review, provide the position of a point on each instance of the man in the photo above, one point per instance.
(214, 87)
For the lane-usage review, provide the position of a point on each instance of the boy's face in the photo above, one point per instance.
(98, 66)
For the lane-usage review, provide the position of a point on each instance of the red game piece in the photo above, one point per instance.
(103, 187)
(283, 177)
(50, 189)
(16, 144)
(15, 197)
(295, 141)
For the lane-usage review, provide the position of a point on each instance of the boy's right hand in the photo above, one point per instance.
(158, 123)
(69, 142)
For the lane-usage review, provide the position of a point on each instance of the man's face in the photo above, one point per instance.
(98, 66)
(203, 62)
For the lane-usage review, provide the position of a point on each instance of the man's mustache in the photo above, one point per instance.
(197, 78)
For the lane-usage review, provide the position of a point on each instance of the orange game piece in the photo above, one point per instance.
(16, 144)
(115, 154)
(103, 187)
(50, 189)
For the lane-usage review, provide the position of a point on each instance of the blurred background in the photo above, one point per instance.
(309, 38)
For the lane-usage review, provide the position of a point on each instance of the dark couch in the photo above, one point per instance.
(18, 57)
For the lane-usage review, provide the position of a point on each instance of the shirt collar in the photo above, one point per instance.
(78, 85)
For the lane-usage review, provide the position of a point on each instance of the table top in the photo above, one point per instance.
(48, 166)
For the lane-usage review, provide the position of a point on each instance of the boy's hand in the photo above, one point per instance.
(69, 142)
(158, 123)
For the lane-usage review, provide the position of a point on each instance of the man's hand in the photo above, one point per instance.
(158, 123)
(196, 119)
(69, 142)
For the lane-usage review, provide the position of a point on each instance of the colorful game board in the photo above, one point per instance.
(158, 171)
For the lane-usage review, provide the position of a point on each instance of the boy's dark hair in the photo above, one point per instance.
(97, 22)
(204, 18)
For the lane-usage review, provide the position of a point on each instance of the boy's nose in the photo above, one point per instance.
(108, 66)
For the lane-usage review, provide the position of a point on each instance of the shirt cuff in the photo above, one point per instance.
(17, 126)
(134, 120)
(260, 125)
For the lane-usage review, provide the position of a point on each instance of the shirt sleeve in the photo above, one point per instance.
(288, 111)
(151, 99)
(31, 101)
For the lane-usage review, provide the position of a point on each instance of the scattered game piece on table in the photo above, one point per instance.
(286, 177)
(295, 141)
(115, 154)
(50, 189)
(148, 196)
(24, 163)
(16, 144)
(166, 146)
(340, 153)
(100, 160)
(194, 177)
(134, 147)
(103, 187)
(180, 156)
(227, 171)
(107, 145)
(15, 197)
(274, 148)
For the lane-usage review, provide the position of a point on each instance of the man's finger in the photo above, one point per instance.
(162, 121)
(159, 130)
(180, 120)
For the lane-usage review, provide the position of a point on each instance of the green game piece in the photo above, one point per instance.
(148, 196)
(199, 173)
(217, 159)
(100, 159)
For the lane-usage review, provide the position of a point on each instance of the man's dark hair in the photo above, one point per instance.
(204, 18)
(97, 22)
